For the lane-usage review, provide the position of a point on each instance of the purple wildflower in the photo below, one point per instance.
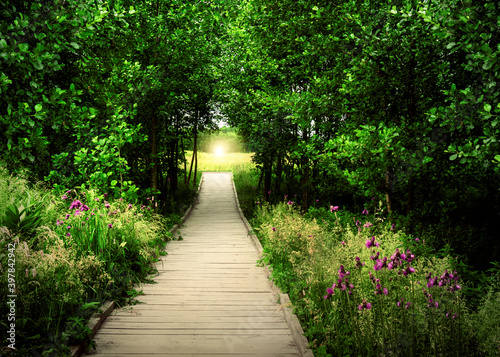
(334, 208)
(106, 204)
(110, 226)
(365, 211)
(358, 262)
(342, 272)
(64, 197)
(365, 305)
(367, 225)
(75, 204)
(371, 242)
(58, 222)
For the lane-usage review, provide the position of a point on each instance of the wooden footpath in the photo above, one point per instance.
(211, 297)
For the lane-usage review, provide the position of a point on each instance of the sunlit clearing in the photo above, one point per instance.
(219, 151)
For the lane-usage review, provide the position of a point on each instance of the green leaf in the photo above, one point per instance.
(85, 34)
(38, 65)
(38, 107)
(487, 107)
(450, 45)
(75, 45)
(497, 157)
(72, 88)
(23, 47)
(487, 64)
(453, 157)
(113, 183)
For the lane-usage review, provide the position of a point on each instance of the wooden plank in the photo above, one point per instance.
(147, 344)
(272, 330)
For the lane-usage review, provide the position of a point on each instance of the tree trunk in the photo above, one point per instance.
(267, 167)
(304, 163)
(195, 167)
(279, 172)
(388, 194)
(195, 154)
(154, 155)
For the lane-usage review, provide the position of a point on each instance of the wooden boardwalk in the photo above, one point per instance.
(211, 298)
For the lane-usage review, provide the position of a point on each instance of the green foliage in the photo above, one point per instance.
(22, 219)
(384, 299)
(486, 324)
(63, 274)
(353, 101)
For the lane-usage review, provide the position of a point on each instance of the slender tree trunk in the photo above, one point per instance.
(304, 162)
(195, 167)
(154, 155)
(279, 173)
(388, 193)
(409, 204)
(195, 153)
(267, 167)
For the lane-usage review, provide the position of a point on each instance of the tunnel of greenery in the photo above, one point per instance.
(356, 104)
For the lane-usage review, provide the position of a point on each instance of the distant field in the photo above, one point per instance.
(222, 162)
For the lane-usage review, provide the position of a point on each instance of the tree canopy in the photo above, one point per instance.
(395, 100)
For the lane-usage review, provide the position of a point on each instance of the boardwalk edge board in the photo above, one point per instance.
(97, 319)
(293, 322)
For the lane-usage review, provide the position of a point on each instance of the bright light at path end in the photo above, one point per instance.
(219, 151)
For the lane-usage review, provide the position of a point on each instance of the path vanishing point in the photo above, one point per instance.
(211, 297)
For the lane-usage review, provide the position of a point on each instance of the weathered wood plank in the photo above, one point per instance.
(148, 344)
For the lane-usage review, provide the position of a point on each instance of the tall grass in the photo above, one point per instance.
(84, 248)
